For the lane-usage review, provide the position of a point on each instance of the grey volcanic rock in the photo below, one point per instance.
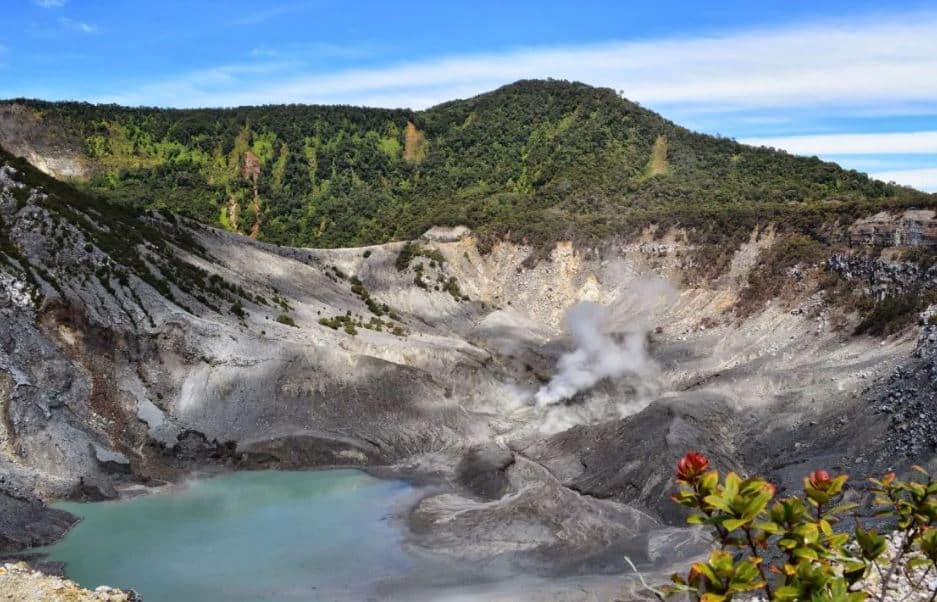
(22, 132)
(907, 399)
(482, 470)
(884, 278)
(25, 523)
(912, 228)
(632, 460)
(541, 525)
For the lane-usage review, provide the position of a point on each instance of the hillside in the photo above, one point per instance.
(137, 346)
(535, 161)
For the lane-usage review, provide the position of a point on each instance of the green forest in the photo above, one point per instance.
(534, 161)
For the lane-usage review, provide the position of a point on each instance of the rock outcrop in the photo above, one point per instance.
(25, 522)
(911, 228)
(20, 583)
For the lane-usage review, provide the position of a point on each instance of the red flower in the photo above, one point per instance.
(696, 577)
(820, 480)
(692, 465)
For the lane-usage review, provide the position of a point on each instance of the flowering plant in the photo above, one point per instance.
(789, 549)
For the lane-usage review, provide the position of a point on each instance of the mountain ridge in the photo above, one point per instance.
(535, 161)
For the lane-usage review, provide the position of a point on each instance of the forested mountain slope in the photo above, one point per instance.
(536, 160)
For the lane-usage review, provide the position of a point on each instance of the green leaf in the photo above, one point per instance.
(806, 554)
(841, 508)
(757, 504)
(786, 593)
(709, 480)
(706, 571)
(809, 532)
(768, 526)
(720, 561)
(717, 501)
(732, 524)
(732, 485)
(918, 562)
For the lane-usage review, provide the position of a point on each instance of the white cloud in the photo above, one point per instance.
(261, 16)
(858, 64)
(50, 3)
(876, 151)
(79, 26)
(922, 179)
(853, 144)
(263, 51)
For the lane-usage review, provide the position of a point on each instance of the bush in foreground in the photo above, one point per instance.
(788, 549)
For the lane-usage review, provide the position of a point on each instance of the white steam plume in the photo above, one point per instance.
(604, 349)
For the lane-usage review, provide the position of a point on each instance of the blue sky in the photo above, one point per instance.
(851, 81)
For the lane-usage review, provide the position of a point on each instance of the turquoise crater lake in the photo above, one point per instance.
(267, 535)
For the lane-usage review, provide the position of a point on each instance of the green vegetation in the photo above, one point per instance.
(351, 323)
(375, 307)
(769, 277)
(451, 286)
(287, 320)
(790, 548)
(893, 313)
(534, 161)
(411, 251)
(122, 243)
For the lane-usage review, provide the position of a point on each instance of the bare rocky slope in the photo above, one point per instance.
(137, 347)
(19, 583)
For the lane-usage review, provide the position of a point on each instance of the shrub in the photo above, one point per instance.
(788, 549)
(285, 319)
(768, 279)
(351, 323)
(406, 255)
(452, 287)
(410, 251)
(895, 312)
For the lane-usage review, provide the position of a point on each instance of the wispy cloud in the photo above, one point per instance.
(320, 50)
(870, 64)
(887, 155)
(853, 144)
(922, 179)
(192, 84)
(79, 26)
(264, 15)
(50, 3)
(263, 52)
